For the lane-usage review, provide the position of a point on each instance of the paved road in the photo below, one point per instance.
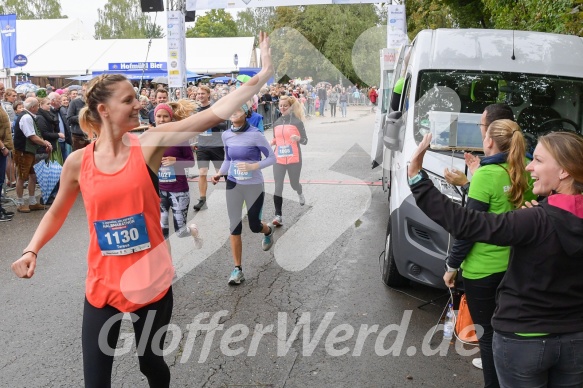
(322, 276)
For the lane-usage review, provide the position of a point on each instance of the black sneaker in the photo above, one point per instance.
(4, 217)
(5, 212)
(200, 205)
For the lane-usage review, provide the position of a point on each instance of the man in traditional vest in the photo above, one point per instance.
(27, 140)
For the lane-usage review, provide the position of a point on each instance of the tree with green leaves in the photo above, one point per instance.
(530, 15)
(558, 16)
(468, 13)
(322, 41)
(32, 9)
(423, 14)
(124, 19)
(216, 23)
(253, 20)
(574, 19)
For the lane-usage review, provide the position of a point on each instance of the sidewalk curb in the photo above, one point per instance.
(344, 119)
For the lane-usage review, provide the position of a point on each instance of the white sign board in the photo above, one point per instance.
(176, 49)
(396, 26)
(195, 5)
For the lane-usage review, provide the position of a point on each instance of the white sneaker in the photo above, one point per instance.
(302, 199)
(477, 362)
(277, 221)
(194, 233)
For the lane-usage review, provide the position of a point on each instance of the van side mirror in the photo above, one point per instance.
(391, 131)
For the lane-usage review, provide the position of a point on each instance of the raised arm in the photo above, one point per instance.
(514, 228)
(179, 131)
(518, 227)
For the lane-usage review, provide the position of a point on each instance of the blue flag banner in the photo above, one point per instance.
(8, 41)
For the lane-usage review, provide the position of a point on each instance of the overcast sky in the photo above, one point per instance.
(86, 10)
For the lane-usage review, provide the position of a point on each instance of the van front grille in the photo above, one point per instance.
(420, 233)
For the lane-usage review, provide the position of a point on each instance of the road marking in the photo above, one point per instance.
(319, 182)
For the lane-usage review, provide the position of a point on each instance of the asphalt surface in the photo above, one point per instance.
(312, 312)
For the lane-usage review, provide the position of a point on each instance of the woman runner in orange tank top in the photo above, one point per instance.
(129, 267)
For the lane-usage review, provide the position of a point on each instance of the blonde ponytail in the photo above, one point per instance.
(89, 124)
(509, 139)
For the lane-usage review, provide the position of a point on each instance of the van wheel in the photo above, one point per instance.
(389, 272)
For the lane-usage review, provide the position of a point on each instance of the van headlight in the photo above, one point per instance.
(448, 189)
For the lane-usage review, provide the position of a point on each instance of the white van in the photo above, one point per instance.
(450, 76)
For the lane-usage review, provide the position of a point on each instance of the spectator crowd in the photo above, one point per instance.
(44, 125)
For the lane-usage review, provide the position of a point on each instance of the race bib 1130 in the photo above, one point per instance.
(122, 236)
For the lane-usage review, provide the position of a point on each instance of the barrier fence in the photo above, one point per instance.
(270, 111)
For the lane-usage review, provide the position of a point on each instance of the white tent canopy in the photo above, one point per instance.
(68, 51)
(32, 35)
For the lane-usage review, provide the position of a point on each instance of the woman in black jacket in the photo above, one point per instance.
(48, 123)
(538, 322)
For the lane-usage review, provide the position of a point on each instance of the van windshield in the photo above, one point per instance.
(541, 103)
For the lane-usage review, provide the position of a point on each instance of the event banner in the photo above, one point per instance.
(8, 41)
(137, 66)
(176, 49)
(396, 26)
(195, 5)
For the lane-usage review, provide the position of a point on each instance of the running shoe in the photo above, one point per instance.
(477, 362)
(200, 205)
(236, 276)
(267, 240)
(4, 217)
(6, 212)
(194, 233)
(302, 199)
(277, 221)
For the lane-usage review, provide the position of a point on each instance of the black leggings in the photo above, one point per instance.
(97, 364)
(481, 297)
(332, 109)
(253, 196)
(279, 170)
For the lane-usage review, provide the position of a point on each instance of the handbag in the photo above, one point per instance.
(464, 326)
